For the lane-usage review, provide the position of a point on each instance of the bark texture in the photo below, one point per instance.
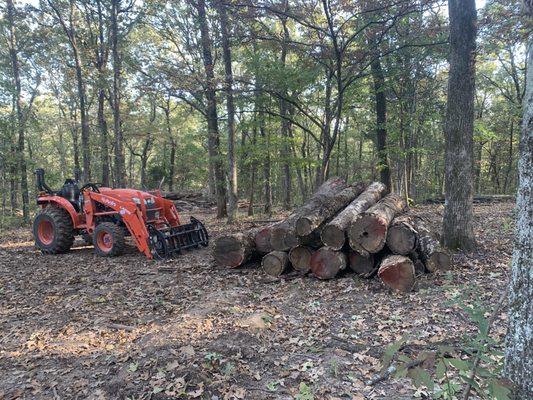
(368, 233)
(397, 272)
(275, 263)
(283, 235)
(326, 262)
(334, 233)
(459, 131)
(300, 258)
(519, 342)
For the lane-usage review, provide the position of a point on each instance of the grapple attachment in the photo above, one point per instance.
(164, 243)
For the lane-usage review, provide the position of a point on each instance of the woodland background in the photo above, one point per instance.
(259, 99)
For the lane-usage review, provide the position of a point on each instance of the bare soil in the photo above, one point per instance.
(76, 326)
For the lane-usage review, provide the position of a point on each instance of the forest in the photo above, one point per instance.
(257, 101)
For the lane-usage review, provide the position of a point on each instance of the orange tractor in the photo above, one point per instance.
(105, 216)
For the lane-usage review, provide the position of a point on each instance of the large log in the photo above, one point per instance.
(234, 250)
(307, 223)
(262, 239)
(326, 262)
(334, 233)
(275, 263)
(401, 235)
(397, 272)
(363, 266)
(283, 235)
(300, 258)
(367, 234)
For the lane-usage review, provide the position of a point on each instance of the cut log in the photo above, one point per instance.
(300, 258)
(434, 256)
(327, 262)
(363, 266)
(283, 235)
(262, 239)
(275, 263)
(401, 235)
(306, 224)
(234, 250)
(397, 272)
(367, 234)
(334, 233)
(420, 267)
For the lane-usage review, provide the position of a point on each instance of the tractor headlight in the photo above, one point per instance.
(136, 200)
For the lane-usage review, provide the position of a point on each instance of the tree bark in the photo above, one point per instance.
(212, 117)
(230, 107)
(519, 341)
(285, 125)
(283, 235)
(306, 224)
(397, 272)
(326, 263)
(368, 233)
(334, 233)
(458, 229)
(120, 165)
(300, 258)
(275, 263)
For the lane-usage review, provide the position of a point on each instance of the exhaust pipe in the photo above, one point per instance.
(41, 184)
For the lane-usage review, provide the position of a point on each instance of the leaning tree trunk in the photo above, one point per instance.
(519, 342)
(275, 263)
(334, 233)
(306, 224)
(300, 258)
(368, 233)
(283, 235)
(326, 262)
(397, 272)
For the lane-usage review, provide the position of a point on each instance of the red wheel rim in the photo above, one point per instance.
(45, 231)
(104, 240)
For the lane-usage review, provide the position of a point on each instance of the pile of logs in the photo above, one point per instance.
(356, 227)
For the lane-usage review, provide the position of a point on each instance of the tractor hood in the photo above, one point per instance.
(127, 195)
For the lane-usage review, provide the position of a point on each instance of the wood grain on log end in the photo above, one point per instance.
(300, 258)
(368, 234)
(262, 240)
(232, 250)
(439, 261)
(326, 262)
(401, 238)
(361, 265)
(275, 263)
(398, 273)
(333, 237)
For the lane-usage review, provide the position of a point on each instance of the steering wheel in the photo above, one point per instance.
(91, 186)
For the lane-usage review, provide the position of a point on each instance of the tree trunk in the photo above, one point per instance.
(368, 233)
(283, 235)
(458, 229)
(306, 224)
(326, 262)
(363, 266)
(519, 342)
(120, 164)
(275, 263)
(101, 63)
(381, 122)
(232, 154)
(334, 233)
(397, 272)
(212, 117)
(285, 125)
(300, 258)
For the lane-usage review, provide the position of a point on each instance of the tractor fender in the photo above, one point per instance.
(63, 203)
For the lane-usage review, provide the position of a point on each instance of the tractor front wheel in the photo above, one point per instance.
(108, 240)
(53, 230)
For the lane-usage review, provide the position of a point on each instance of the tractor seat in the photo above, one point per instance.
(71, 192)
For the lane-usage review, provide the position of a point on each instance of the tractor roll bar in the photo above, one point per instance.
(41, 184)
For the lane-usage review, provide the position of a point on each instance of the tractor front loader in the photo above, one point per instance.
(105, 216)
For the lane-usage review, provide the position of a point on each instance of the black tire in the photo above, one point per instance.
(108, 240)
(53, 230)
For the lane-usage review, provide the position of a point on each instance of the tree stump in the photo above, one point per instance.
(367, 234)
(397, 272)
(275, 263)
(326, 262)
(334, 233)
(300, 258)
(363, 266)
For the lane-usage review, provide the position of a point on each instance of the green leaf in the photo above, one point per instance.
(461, 365)
(499, 391)
(440, 370)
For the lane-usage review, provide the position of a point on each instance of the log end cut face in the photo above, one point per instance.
(326, 263)
(274, 263)
(368, 234)
(439, 261)
(333, 237)
(262, 240)
(304, 226)
(361, 265)
(398, 273)
(401, 240)
(229, 252)
(300, 258)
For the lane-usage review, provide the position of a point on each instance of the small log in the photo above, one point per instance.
(234, 250)
(300, 258)
(306, 224)
(283, 235)
(363, 266)
(367, 234)
(334, 233)
(397, 272)
(401, 235)
(275, 263)
(433, 255)
(326, 262)
(262, 239)
(420, 267)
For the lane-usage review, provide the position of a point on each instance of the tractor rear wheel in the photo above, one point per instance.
(108, 240)
(53, 230)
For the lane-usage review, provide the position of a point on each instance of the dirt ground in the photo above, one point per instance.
(76, 326)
